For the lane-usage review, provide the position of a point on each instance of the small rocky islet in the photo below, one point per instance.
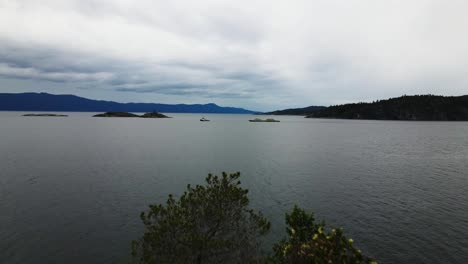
(125, 114)
(154, 115)
(60, 115)
(263, 120)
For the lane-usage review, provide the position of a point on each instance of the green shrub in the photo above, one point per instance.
(308, 242)
(213, 224)
(207, 224)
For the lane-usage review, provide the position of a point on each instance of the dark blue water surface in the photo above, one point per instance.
(72, 188)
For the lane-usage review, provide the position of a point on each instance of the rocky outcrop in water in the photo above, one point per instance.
(125, 114)
(116, 114)
(44, 115)
(153, 115)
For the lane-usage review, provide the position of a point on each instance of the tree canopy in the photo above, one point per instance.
(207, 224)
(309, 242)
(416, 107)
(213, 223)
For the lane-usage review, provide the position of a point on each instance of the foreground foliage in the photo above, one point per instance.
(308, 242)
(213, 224)
(207, 224)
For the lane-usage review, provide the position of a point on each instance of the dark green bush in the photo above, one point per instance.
(207, 224)
(308, 242)
(213, 224)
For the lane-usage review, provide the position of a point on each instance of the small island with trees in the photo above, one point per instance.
(50, 115)
(125, 114)
(264, 120)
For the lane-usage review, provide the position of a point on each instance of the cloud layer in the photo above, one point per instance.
(261, 55)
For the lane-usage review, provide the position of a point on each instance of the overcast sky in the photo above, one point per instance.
(261, 55)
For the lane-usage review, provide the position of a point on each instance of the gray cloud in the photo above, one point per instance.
(257, 54)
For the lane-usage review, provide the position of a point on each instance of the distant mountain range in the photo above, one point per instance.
(297, 111)
(72, 103)
(416, 107)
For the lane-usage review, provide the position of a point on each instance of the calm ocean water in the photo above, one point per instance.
(71, 189)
